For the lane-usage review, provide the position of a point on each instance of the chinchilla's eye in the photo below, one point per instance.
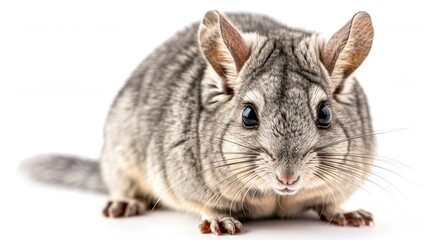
(250, 119)
(324, 116)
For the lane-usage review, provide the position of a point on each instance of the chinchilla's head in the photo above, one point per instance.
(285, 104)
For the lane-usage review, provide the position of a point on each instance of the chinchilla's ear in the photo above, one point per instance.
(347, 49)
(224, 47)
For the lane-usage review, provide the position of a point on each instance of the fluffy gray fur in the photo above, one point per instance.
(175, 137)
(65, 170)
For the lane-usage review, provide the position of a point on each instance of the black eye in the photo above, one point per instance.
(324, 116)
(250, 120)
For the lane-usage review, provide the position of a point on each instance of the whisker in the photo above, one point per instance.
(255, 175)
(349, 168)
(354, 120)
(354, 137)
(248, 189)
(196, 174)
(360, 162)
(244, 156)
(222, 180)
(351, 173)
(233, 157)
(239, 153)
(327, 172)
(256, 139)
(238, 144)
(244, 144)
(229, 185)
(336, 184)
(386, 160)
(239, 162)
(329, 185)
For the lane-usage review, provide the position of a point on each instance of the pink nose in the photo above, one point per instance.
(288, 180)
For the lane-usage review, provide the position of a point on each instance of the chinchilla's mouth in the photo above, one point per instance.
(286, 190)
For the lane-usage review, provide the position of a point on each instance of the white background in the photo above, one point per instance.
(62, 62)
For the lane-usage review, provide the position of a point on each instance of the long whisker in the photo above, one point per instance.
(336, 184)
(241, 189)
(360, 162)
(244, 144)
(327, 172)
(247, 191)
(196, 174)
(244, 155)
(329, 185)
(354, 120)
(260, 148)
(386, 160)
(247, 172)
(349, 169)
(354, 137)
(351, 173)
(239, 153)
(239, 138)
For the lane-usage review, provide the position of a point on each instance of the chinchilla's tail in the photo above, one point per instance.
(65, 170)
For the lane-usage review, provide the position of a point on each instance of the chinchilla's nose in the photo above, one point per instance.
(287, 179)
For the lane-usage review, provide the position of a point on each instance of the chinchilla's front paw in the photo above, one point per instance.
(357, 218)
(218, 226)
(129, 208)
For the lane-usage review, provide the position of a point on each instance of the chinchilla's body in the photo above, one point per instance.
(236, 118)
